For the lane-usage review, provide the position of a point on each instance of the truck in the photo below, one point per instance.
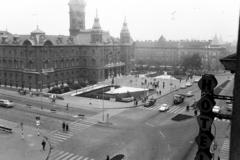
(178, 98)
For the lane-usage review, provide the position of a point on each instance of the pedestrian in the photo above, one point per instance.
(43, 145)
(67, 107)
(108, 158)
(195, 112)
(63, 126)
(67, 127)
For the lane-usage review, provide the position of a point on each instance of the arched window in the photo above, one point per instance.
(30, 64)
(15, 63)
(93, 62)
(84, 62)
(27, 43)
(45, 64)
(48, 43)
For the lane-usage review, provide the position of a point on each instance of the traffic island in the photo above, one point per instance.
(181, 117)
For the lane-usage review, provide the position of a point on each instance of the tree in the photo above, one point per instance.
(192, 62)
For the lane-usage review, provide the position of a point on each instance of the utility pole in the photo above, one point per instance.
(235, 128)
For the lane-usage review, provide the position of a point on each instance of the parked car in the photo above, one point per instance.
(216, 109)
(188, 84)
(6, 103)
(150, 102)
(164, 107)
(189, 94)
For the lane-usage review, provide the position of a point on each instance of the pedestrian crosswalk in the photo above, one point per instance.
(172, 109)
(222, 120)
(58, 136)
(224, 154)
(62, 155)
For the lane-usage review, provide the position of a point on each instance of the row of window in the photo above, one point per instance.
(50, 52)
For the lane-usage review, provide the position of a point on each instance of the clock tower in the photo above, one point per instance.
(77, 16)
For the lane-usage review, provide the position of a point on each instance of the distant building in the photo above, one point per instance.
(172, 53)
(87, 55)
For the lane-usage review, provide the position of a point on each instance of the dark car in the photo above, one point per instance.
(150, 102)
(178, 98)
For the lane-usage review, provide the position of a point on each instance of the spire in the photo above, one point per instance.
(96, 24)
(125, 27)
(96, 13)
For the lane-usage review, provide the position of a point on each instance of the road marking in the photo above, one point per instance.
(151, 125)
(80, 158)
(73, 157)
(162, 134)
(70, 155)
(63, 155)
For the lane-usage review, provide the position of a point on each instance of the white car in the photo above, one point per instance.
(164, 107)
(6, 103)
(183, 86)
(189, 94)
(188, 84)
(196, 80)
(216, 109)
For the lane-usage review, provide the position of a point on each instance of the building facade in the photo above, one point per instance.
(38, 60)
(172, 53)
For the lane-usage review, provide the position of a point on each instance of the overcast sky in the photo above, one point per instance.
(147, 19)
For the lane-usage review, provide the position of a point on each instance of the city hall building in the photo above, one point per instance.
(38, 60)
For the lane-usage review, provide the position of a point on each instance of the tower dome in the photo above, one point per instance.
(96, 24)
(125, 34)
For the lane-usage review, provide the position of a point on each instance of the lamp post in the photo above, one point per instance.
(103, 87)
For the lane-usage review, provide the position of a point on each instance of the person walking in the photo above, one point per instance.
(43, 144)
(108, 158)
(195, 112)
(63, 126)
(67, 107)
(67, 127)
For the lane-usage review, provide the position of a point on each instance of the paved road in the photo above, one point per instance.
(139, 133)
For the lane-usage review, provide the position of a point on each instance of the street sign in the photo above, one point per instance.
(205, 122)
(204, 140)
(203, 156)
(207, 83)
(206, 103)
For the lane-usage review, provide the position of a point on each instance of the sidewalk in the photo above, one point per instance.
(13, 147)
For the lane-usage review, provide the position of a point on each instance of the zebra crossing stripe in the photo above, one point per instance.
(58, 137)
(70, 155)
(173, 109)
(57, 154)
(224, 154)
(86, 158)
(63, 135)
(61, 156)
(79, 158)
(73, 157)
